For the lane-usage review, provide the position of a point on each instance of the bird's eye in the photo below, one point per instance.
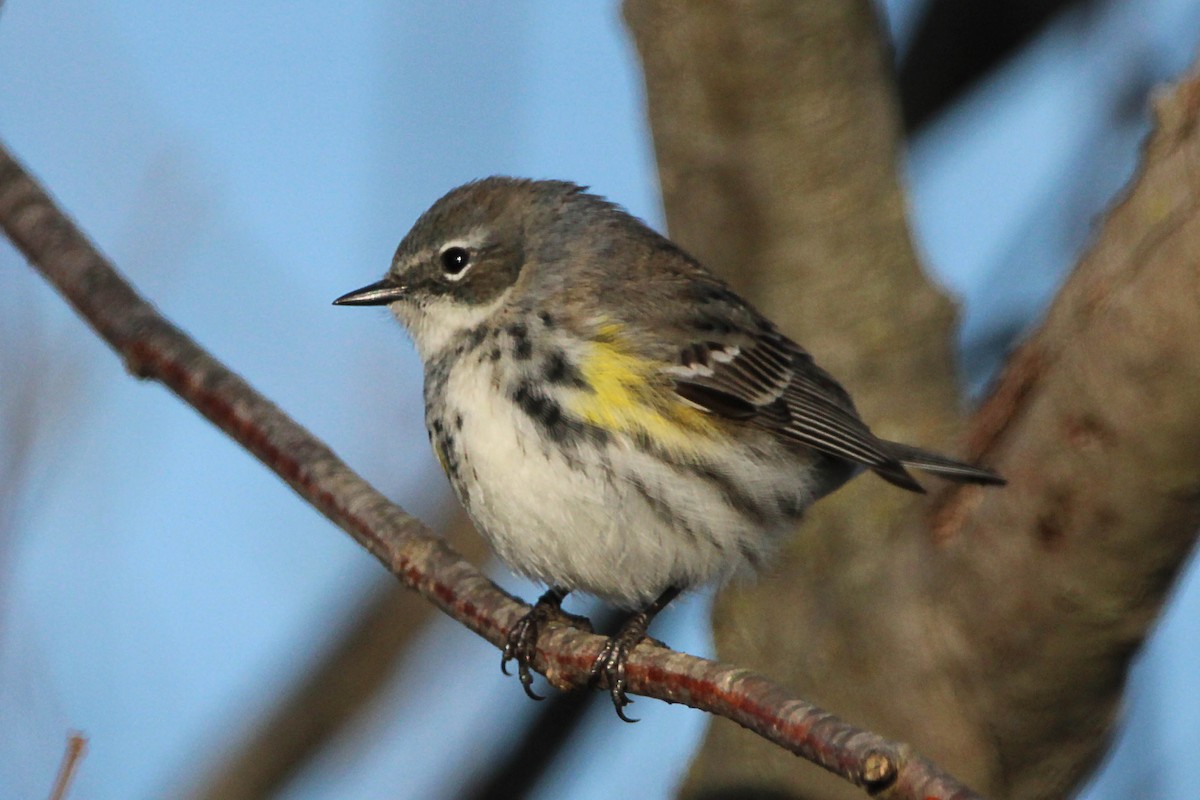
(455, 260)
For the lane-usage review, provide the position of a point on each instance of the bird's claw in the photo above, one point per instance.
(611, 665)
(521, 647)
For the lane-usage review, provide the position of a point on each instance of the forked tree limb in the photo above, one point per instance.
(153, 348)
(1096, 421)
(777, 135)
(1008, 617)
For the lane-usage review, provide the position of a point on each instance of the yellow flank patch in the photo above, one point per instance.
(441, 457)
(627, 396)
(608, 333)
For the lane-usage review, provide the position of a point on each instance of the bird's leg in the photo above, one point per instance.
(522, 639)
(611, 661)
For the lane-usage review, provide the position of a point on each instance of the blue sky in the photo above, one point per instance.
(244, 164)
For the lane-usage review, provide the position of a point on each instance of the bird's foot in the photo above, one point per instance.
(521, 646)
(611, 661)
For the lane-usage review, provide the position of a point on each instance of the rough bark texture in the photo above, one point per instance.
(1096, 422)
(992, 629)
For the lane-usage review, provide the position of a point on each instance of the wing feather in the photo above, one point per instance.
(761, 377)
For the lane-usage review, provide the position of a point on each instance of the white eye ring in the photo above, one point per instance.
(456, 261)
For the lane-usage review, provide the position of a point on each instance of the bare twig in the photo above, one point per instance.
(538, 746)
(76, 749)
(154, 348)
(321, 704)
(347, 680)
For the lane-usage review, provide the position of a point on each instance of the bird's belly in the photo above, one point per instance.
(600, 515)
(557, 516)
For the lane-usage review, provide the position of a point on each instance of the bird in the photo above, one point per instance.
(615, 419)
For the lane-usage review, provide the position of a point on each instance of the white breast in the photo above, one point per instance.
(606, 519)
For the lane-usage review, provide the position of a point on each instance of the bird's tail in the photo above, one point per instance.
(948, 468)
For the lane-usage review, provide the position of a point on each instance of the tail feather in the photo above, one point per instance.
(944, 467)
(894, 473)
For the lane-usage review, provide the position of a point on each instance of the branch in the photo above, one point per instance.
(1009, 617)
(1095, 424)
(347, 678)
(776, 135)
(153, 348)
(72, 757)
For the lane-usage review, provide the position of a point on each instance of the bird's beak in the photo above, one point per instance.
(379, 293)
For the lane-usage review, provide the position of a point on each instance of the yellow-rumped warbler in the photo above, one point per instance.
(615, 419)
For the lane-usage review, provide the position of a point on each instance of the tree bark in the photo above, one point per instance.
(992, 629)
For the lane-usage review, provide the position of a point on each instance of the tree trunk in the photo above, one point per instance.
(992, 629)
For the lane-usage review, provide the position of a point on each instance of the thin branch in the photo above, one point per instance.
(519, 773)
(153, 348)
(72, 756)
(347, 679)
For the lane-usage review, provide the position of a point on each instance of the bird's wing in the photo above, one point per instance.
(741, 368)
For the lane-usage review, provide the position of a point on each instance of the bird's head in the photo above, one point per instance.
(462, 259)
